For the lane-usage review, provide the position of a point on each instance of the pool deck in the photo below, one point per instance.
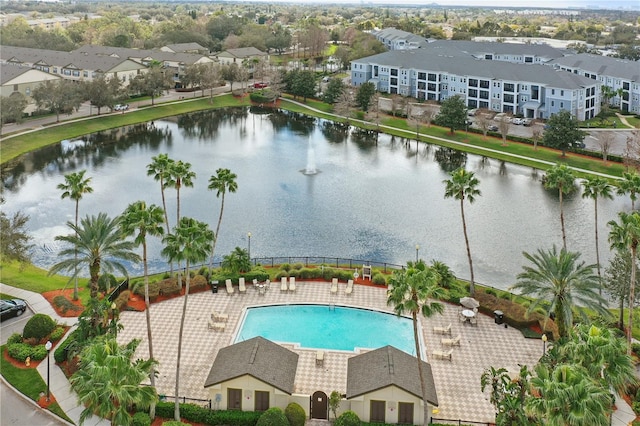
(457, 381)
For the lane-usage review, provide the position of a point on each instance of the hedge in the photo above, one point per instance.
(197, 414)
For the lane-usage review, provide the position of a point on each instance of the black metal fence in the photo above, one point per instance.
(124, 285)
(459, 422)
(337, 262)
(204, 403)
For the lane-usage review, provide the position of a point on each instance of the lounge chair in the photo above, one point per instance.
(452, 342)
(443, 354)
(267, 284)
(319, 357)
(292, 284)
(241, 287)
(217, 326)
(443, 330)
(283, 284)
(230, 289)
(219, 316)
(334, 285)
(349, 289)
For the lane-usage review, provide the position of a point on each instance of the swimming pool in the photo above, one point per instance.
(327, 327)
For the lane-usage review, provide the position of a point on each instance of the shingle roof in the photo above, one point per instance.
(385, 367)
(185, 47)
(60, 59)
(259, 358)
(123, 52)
(244, 52)
(420, 59)
(465, 47)
(602, 65)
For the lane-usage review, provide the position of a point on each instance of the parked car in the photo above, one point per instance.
(472, 112)
(516, 121)
(492, 128)
(260, 85)
(121, 107)
(526, 122)
(10, 308)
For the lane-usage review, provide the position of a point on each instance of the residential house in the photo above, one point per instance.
(396, 39)
(185, 48)
(240, 55)
(22, 80)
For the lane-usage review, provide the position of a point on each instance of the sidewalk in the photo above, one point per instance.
(58, 383)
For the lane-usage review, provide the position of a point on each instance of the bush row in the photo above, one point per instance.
(197, 414)
(22, 351)
(65, 304)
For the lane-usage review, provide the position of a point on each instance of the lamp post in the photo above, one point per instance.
(417, 252)
(544, 343)
(48, 346)
(249, 245)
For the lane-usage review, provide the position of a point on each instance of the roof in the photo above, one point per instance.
(476, 48)
(186, 47)
(421, 59)
(9, 72)
(242, 52)
(386, 367)
(602, 65)
(124, 52)
(392, 33)
(259, 358)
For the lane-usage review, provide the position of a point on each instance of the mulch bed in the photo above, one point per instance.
(19, 364)
(67, 294)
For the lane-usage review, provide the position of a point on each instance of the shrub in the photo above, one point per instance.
(57, 334)
(298, 266)
(281, 274)
(168, 287)
(122, 300)
(264, 96)
(14, 338)
(22, 351)
(174, 423)
(141, 419)
(274, 416)
(635, 347)
(295, 414)
(39, 326)
(348, 418)
(64, 304)
(60, 354)
(285, 267)
(154, 290)
(199, 282)
(197, 414)
(491, 292)
(379, 279)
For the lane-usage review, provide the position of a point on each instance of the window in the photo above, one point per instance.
(431, 77)
(553, 91)
(562, 93)
(377, 412)
(262, 401)
(561, 105)
(394, 72)
(76, 73)
(473, 82)
(509, 87)
(473, 93)
(422, 76)
(85, 73)
(15, 87)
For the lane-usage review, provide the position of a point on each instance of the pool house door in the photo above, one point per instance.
(319, 405)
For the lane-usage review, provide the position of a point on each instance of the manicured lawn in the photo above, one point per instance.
(33, 278)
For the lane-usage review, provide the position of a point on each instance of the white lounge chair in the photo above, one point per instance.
(219, 316)
(319, 357)
(241, 286)
(443, 354)
(217, 326)
(452, 342)
(349, 289)
(292, 284)
(334, 285)
(230, 289)
(443, 330)
(283, 284)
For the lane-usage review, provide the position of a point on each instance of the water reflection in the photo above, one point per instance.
(374, 200)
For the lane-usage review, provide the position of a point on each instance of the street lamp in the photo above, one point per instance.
(48, 346)
(544, 343)
(249, 246)
(417, 252)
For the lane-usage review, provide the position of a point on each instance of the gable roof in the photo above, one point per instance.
(259, 358)
(186, 47)
(10, 72)
(135, 54)
(602, 65)
(242, 52)
(386, 367)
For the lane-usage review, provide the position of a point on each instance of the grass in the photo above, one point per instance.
(32, 278)
(29, 382)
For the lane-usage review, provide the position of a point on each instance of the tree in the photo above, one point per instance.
(559, 283)
(562, 132)
(153, 83)
(210, 79)
(560, 177)
(334, 403)
(237, 261)
(58, 96)
(364, 94)
(224, 180)
(74, 186)
(104, 92)
(630, 184)
(97, 244)
(453, 113)
(463, 185)
(231, 73)
(334, 89)
(413, 290)
(179, 175)
(594, 188)
(625, 235)
(144, 220)
(483, 120)
(12, 108)
(617, 277)
(508, 395)
(503, 127)
(159, 169)
(303, 84)
(605, 141)
(190, 241)
(108, 381)
(14, 239)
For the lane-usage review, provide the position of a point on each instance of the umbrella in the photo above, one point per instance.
(469, 302)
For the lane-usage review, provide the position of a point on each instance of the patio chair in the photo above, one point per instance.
(219, 316)
(230, 289)
(241, 287)
(292, 284)
(443, 330)
(334, 286)
(452, 342)
(283, 284)
(349, 289)
(267, 284)
(437, 354)
(320, 358)
(216, 326)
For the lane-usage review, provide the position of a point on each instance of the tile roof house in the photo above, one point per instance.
(383, 386)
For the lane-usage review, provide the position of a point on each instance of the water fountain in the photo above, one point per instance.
(311, 168)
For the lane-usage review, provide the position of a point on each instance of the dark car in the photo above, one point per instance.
(12, 308)
(260, 85)
(492, 128)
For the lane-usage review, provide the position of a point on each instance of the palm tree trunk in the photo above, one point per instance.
(166, 217)
(152, 375)
(597, 247)
(215, 236)
(184, 314)
(564, 237)
(420, 373)
(75, 258)
(621, 319)
(472, 287)
(632, 289)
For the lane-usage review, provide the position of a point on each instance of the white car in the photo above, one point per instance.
(121, 107)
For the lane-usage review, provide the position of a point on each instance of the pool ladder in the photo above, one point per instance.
(332, 306)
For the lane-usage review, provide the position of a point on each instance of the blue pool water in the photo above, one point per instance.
(328, 327)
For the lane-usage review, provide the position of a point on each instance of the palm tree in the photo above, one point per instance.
(463, 185)
(626, 236)
(108, 382)
(98, 242)
(594, 187)
(237, 261)
(630, 185)
(179, 175)
(191, 242)
(223, 181)
(561, 178)
(559, 281)
(159, 169)
(144, 220)
(74, 186)
(568, 397)
(413, 290)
